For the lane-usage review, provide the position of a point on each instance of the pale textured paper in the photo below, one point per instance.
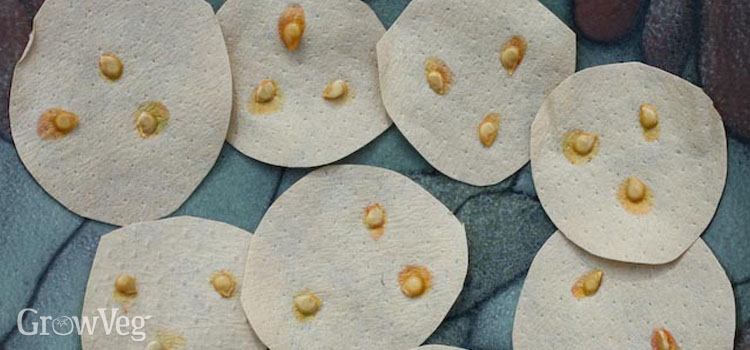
(173, 52)
(468, 35)
(313, 238)
(691, 297)
(685, 169)
(338, 43)
(437, 347)
(173, 261)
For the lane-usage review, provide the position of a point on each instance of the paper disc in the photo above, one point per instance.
(674, 172)
(173, 66)
(320, 277)
(178, 267)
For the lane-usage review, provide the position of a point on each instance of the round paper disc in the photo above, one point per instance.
(682, 162)
(313, 242)
(173, 54)
(173, 262)
(691, 298)
(468, 37)
(300, 128)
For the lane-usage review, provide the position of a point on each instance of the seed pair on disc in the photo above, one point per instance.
(119, 109)
(186, 273)
(355, 257)
(574, 300)
(463, 81)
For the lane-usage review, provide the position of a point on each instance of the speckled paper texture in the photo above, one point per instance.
(173, 261)
(173, 52)
(685, 168)
(313, 239)
(338, 43)
(690, 297)
(468, 37)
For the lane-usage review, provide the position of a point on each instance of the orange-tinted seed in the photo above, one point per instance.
(488, 129)
(512, 54)
(588, 284)
(439, 76)
(55, 123)
(415, 281)
(292, 26)
(661, 339)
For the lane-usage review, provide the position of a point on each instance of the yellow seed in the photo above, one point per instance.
(125, 284)
(65, 122)
(510, 57)
(292, 33)
(435, 79)
(636, 190)
(438, 75)
(336, 89)
(292, 26)
(413, 286)
(150, 118)
(306, 304)
(592, 283)
(146, 123)
(661, 339)
(55, 123)
(414, 281)
(266, 91)
(224, 283)
(588, 284)
(155, 345)
(488, 129)
(635, 196)
(110, 66)
(374, 216)
(512, 54)
(649, 116)
(580, 147)
(584, 143)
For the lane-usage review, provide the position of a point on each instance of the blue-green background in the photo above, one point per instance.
(46, 251)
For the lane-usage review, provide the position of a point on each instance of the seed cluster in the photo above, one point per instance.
(266, 98)
(580, 147)
(440, 79)
(150, 118)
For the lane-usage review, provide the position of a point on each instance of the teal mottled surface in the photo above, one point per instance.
(33, 227)
(47, 251)
(61, 289)
(236, 191)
